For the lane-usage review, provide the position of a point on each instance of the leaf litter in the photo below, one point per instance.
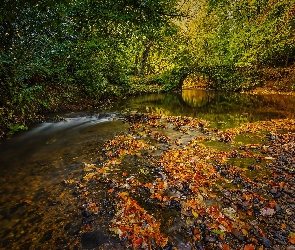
(166, 189)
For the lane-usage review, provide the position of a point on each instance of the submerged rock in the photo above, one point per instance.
(93, 239)
(265, 242)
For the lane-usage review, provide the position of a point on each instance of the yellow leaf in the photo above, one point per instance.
(195, 214)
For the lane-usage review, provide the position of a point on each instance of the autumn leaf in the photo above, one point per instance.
(292, 240)
(267, 212)
(195, 214)
(225, 247)
(136, 242)
(249, 247)
(218, 232)
(283, 226)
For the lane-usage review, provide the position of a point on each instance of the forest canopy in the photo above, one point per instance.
(51, 52)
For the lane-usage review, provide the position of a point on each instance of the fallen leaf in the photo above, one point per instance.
(267, 212)
(195, 214)
(249, 247)
(225, 247)
(136, 242)
(292, 240)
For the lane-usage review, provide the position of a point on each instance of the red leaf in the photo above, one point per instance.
(136, 242)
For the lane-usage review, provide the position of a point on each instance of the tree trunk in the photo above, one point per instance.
(145, 55)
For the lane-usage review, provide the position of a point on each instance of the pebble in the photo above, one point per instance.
(289, 211)
(290, 248)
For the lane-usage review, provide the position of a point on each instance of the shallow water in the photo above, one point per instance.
(38, 212)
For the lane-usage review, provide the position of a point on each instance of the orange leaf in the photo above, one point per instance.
(111, 190)
(249, 212)
(249, 247)
(292, 240)
(197, 231)
(254, 240)
(245, 232)
(225, 247)
(283, 226)
(272, 204)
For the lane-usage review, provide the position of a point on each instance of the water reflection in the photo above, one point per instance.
(198, 98)
(222, 109)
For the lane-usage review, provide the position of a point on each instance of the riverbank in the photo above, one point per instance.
(16, 116)
(215, 191)
(19, 113)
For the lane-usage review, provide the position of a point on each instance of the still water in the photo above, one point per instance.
(37, 211)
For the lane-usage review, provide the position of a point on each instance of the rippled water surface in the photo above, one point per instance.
(37, 211)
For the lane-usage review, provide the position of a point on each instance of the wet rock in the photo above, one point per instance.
(93, 239)
(279, 237)
(47, 236)
(168, 247)
(74, 232)
(278, 208)
(87, 221)
(237, 180)
(256, 212)
(86, 213)
(175, 204)
(278, 195)
(184, 246)
(265, 242)
(67, 226)
(16, 207)
(238, 234)
(199, 245)
(209, 238)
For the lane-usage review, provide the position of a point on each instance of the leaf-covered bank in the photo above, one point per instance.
(167, 184)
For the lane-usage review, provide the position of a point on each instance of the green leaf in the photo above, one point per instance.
(218, 232)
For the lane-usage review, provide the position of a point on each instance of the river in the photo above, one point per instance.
(38, 211)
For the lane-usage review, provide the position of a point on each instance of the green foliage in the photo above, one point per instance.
(54, 52)
(15, 127)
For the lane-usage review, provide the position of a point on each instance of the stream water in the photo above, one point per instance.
(37, 211)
